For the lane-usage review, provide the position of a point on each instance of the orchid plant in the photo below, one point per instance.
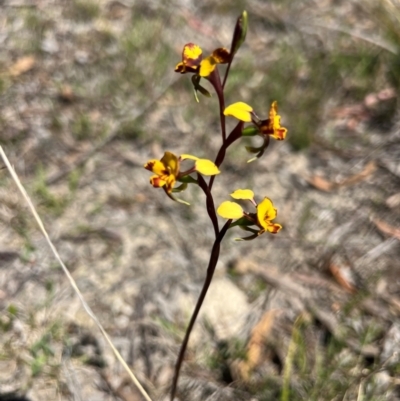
(169, 176)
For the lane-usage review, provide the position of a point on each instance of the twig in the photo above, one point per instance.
(375, 41)
(68, 274)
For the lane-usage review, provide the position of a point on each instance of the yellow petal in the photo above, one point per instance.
(190, 157)
(279, 132)
(273, 111)
(156, 181)
(239, 110)
(206, 167)
(156, 166)
(265, 213)
(207, 66)
(171, 162)
(274, 228)
(191, 55)
(169, 183)
(243, 194)
(230, 210)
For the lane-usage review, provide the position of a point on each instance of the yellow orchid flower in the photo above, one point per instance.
(265, 214)
(272, 125)
(192, 60)
(265, 128)
(167, 171)
(192, 56)
(262, 219)
(218, 56)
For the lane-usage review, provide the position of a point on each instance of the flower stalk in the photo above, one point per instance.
(168, 172)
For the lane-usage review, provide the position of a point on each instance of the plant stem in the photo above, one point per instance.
(215, 81)
(233, 136)
(209, 203)
(226, 73)
(210, 273)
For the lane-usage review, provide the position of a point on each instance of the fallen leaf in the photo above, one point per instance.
(356, 110)
(197, 24)
(372, 100)
(365, 173)
(327, 186)
(320, 183)
(342, 276)
(388, 93)
(117, 10)
(66, 94)
(256, 344)
(393, 201)
(387, 228)
(352, 115)
(22, 65)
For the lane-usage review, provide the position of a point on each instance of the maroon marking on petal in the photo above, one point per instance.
(149, 166)
(221, 55)
(157, 182)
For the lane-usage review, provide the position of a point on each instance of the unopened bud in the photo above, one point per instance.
(239, 34)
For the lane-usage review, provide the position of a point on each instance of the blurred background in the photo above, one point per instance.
(88, 94)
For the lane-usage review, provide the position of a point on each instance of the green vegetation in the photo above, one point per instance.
(53, 204)
(84, 10)
(82, 127)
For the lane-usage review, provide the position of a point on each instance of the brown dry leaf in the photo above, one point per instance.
(353, 115)
(372, 100)
(393, 201)
(356, 110)
(392, 300)
(197, 24)
(323, 185)
(320, 183)
(369, 169)
(256, 344)
(66, 94)
(117, 10)
(341, 278)
(387, 228)
(22, 65)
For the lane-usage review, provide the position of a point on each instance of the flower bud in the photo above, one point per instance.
(239, 34)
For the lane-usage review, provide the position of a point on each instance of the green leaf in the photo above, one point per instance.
(250, 131)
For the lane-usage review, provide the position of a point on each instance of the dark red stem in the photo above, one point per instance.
(235, 134)
(210, 273)
(215, 81)
(209, 202)
(226, 73)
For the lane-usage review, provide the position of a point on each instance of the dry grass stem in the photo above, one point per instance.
(68, 274)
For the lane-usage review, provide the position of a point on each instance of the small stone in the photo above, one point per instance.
(50, 45)
(81, 57)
